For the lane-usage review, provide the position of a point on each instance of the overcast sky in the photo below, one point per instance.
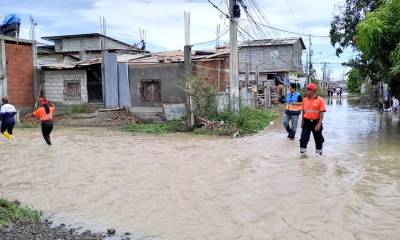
(163, 21)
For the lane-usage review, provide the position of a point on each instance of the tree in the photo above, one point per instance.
(378, 39)
(343, 25)
(354, 81)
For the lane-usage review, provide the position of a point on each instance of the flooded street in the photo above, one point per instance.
(181, 186)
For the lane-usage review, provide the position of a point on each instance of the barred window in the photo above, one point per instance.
(72, 90)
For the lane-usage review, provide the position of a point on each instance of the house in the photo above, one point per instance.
(18, 72)
(81, 82)
(271, 59)
(80, 47)
(161, 75)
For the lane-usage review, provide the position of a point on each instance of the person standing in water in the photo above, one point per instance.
(7, 118)
(313, 115)
(45, 115)
(293, 110)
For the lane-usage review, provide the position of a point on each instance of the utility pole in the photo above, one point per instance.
(188, 70)
(309, 65)
(234, 13)
(324, 73)
(218, 36)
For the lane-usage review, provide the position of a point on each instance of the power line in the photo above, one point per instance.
(262, 16)
(201, 43)
(331, 55)
(292, 13)
(246, 32)
(287, 31)
(252, 19)
(216, 7)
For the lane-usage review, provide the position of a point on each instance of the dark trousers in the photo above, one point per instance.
(47, 127)
(308, 128)
(8, 125)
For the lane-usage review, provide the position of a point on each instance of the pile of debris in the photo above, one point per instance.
(117, 117)
(211, 125)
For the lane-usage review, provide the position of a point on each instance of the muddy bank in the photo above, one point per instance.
(108, 119)
(43, 231)
(46, 230)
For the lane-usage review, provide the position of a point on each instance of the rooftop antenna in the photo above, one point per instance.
(142, 33)
(32, 34)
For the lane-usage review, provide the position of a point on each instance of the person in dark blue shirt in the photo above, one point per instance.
(7, 118)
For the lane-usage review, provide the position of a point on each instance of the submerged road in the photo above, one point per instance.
(181, 186)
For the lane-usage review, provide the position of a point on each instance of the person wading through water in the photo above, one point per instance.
(45, 115)
(293, 109)
(7, 118)
(313, 114)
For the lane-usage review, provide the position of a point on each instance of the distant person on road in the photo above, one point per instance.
(45, 115)
(313, 115)
(293, 110)
(337, 92)
(7, 118)
(396, 104)
(340, 92)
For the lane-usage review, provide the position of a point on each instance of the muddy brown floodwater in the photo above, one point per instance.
(182, 186)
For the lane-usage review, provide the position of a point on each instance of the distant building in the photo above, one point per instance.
(80, 47)
(274, 59)
(17, 71)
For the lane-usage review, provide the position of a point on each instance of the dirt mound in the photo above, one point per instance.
(108, 119)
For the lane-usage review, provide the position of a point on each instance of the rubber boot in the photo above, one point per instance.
(8, 136)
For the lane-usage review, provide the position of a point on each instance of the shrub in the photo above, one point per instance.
(247, 121)
(12, 211)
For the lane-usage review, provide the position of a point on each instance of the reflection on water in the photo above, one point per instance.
(191, 187)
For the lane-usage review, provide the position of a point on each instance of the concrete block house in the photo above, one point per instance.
(72, 70)
(271, 58)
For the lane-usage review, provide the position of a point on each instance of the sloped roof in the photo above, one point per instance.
(273, 42)
(53, 38)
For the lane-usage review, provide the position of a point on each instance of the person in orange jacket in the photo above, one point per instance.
(313, 114)
(45, 115)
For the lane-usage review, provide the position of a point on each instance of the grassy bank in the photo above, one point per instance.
(155, 128)
(13, 211)
(246, 122)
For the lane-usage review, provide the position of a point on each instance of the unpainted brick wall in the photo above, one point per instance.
(208, 71)
(20, 79)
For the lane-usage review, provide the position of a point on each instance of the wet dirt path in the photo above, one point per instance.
(182, 186)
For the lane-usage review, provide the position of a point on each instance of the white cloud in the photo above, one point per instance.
(163, 19)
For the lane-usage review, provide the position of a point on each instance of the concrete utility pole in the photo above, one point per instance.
(234, 56)
(309, 60)
(188, 70)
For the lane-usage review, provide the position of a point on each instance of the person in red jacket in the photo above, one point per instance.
(45, 115)
(313, 114)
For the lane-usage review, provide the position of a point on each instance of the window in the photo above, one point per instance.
(150, 90)
(72, 90)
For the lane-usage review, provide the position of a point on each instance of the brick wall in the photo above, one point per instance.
(54, 85)
(207, 70)
(20, 74)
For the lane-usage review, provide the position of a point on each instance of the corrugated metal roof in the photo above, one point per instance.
(52, 38)
(272, 42)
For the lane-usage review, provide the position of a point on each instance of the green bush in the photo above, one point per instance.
(12, 211)
(247, 121)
